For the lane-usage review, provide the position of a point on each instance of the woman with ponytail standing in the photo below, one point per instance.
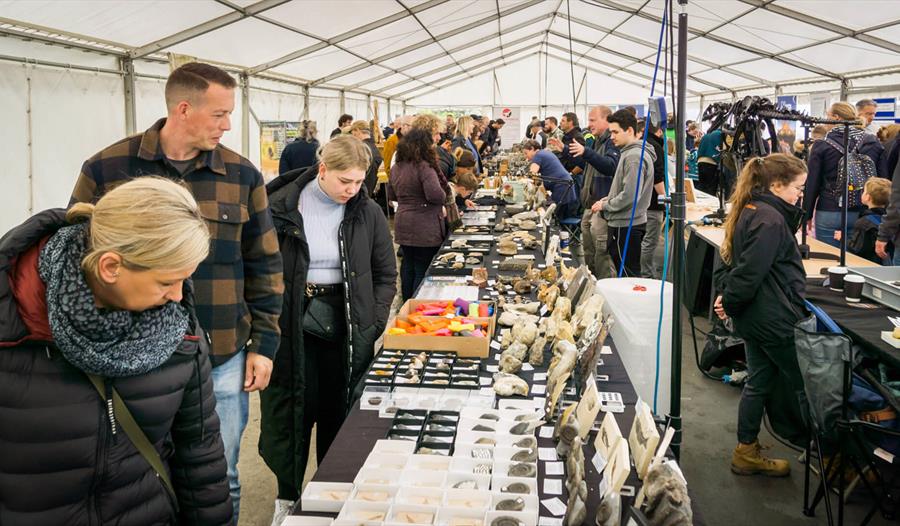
(763, 287)
(108, 413)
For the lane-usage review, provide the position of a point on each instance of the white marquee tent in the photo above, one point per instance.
(77, 75)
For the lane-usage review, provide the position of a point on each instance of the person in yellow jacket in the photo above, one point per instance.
(390, 145)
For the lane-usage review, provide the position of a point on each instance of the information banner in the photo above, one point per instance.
(273, 137)
(787, 130)
(510, 133)
(819, 103)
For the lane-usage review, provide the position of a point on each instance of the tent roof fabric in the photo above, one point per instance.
(406, 49)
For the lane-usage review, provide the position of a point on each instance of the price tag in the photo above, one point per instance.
(492, 368)
(495, 345)
(491, 282)
(549, 521)
(546, 432)
(606, 349)
(599, 462)
(484, 380)
(538, 377)
(539, 389)
(527, 367)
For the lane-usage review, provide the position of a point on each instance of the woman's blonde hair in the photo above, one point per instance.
(758, 174)
(307, 131)
(428, 122)
(464, 126)
(345, 152)
(845, 111)
(152, 223)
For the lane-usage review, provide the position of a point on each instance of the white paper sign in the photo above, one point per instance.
(606, 349)
(538, 377)
(554, 506)
(546, 432)
(527, 367)
(549, 521)
(538, 389)
(495, 345)
(547, 453)
(599, 462)
(554, 468)
(484, 380)
(553, 486)
(492, 368)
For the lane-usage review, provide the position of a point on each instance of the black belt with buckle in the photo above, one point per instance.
(313, 290)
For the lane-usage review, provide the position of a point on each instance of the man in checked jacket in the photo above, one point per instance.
(239, 286)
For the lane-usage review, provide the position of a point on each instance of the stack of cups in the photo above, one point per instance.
(850, 284)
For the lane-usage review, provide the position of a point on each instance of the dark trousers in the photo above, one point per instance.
(707, 178)
(615, 243)
(765, 364)
(325, 400)
(413, 267)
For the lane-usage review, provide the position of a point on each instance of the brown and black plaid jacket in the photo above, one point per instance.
(239, 287)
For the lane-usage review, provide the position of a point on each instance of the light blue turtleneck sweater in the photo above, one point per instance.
(322, 222)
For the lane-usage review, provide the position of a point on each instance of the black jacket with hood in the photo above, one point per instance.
(369, 272)
(60, 460)
(764, 286)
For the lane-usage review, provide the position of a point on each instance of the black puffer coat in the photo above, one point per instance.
(369, 272)
(60, 463)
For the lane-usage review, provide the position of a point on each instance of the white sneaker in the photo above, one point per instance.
(282, 508)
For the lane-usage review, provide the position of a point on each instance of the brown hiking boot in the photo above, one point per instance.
(747, 459)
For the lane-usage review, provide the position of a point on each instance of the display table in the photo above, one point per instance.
(363, 428)
(863, 322)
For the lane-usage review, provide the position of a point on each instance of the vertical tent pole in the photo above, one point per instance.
(678, 215)
(245, 115)
(130, 106)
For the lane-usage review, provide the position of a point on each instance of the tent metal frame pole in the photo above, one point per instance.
(343, 102)
(204, 28)
(421, 44)
(245, 115)
(306, 102)
(678, 215)
(845, 92)
(29, 135)
(342, 37)
(130, 105)
(369, 113)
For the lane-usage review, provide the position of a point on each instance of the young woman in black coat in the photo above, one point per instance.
(763, 285)
(340, 278)
(93, 303)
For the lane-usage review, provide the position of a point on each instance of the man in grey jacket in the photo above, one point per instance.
(632, 188)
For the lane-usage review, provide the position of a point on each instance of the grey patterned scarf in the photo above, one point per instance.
(107, 343)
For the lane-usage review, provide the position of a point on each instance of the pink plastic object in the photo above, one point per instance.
(462, 304)
(443, 332)
(433, 312)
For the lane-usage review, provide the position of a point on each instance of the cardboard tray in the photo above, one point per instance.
(466, 347)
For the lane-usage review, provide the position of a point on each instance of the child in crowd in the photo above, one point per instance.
(876, 194)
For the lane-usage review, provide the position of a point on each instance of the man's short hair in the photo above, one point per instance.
(604, 111)
(625, 119)
(571, 117)
(531, 144)
(361, 126)
(193, 79)
(632, 110)
(865, 102)
(345, 120)
(501, 122)
(552, 119)
(879, 190)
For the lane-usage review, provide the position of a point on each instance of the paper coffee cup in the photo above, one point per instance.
(853, 286)
(836, 278)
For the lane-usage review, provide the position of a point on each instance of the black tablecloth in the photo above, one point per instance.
(362, 428)
(863, 322)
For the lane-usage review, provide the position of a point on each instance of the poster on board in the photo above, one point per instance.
(510, 133)
(273, 137)
(819, 103)
(787, 130)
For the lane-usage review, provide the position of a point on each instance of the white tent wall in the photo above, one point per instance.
(325, 111)
(16, 196)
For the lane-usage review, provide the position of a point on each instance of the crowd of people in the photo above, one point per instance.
(178, 281)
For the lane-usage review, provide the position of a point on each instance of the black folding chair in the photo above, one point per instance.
(826, 358)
